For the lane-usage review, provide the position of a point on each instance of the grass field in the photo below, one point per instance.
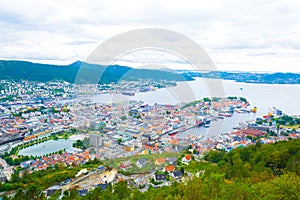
(296, 126)
(114, 163)
(194, 167)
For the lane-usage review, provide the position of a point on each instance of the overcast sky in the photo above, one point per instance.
(257, 35)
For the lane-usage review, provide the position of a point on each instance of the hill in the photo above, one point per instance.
(249, 77)
(23, 70)
(270, 171)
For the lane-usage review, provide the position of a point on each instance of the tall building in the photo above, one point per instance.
(96, 140)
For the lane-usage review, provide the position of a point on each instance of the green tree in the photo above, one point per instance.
(258, 144)
(119, 141)
(92, 151)
(55, 195)
(214, 156)
(4, 197)
(73, 194)
(124, 117)
(19, 194)
(121, 190)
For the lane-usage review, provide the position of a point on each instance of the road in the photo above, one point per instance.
(74, 181)
(7, 169)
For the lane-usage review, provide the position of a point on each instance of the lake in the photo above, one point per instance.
(47, 147)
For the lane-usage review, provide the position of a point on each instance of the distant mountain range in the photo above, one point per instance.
(248, 77)
(23, 70)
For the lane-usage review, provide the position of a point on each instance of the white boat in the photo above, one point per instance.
(207, 124)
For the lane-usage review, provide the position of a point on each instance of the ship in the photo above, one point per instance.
(128, 93)
(172, 133)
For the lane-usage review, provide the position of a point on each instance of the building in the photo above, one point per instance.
(125, 165)
(160, 177)
(176, 174)
(251, 132)
(2, 177)
(160, 161)
(83, 193)
(96, 140)
(169, 168)
(172, 160)
(186, 159)
(141, 180)
(51, 190)
(27, 163)
(141, 162)
(102, 185)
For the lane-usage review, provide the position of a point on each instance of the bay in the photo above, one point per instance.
(285, 97)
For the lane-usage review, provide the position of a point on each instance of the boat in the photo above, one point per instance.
(128, 93)
(225, 114)
(245, 110)
(207, 124)
(238, 127)
(254, 110)
(238, 110)
(172, 133)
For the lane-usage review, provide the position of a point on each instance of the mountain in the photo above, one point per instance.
(23, 70)
(90, 73)
(248, 77)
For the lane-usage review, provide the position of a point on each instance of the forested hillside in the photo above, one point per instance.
(256, 172)
(22, 70)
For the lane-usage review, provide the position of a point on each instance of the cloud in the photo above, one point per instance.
(258, 32)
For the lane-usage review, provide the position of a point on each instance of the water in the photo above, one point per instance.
(221, 126)
(263, 96)
(284, 97)
(47, 147)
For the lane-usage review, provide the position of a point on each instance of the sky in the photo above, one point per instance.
(257, 35)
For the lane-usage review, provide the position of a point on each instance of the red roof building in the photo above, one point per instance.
(169, 168)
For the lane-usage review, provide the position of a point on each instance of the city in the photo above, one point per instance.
(149, 100)
(35, 114)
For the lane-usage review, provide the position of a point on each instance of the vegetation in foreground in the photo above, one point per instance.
(45, 178)
(256, 172)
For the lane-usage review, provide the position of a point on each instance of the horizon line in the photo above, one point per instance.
(67, 63)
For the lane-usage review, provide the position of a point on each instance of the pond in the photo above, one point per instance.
(47, 147)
